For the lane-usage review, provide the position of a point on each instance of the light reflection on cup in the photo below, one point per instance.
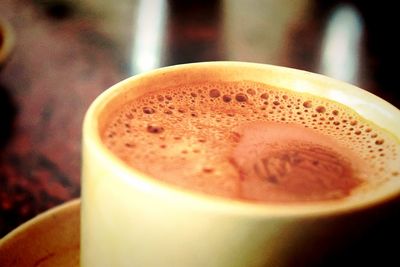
(6, 40)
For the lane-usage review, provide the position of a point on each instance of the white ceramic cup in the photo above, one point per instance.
(130, 219)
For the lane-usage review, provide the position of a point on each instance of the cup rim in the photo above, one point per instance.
(92, 139)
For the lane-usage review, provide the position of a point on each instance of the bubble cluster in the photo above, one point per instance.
(185, 135)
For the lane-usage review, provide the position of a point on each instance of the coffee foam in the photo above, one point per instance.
(251, 141)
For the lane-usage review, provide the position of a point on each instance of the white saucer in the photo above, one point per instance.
(49, 239)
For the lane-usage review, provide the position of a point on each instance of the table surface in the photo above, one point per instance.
(69, 51)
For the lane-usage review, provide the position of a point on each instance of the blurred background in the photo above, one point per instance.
(66, 52)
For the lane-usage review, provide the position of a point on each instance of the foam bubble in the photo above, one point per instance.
(240, 97)
(148, 110)
(214, 93)
(251, 91)
(226, 98)
(307, 104)
(155, 129)
(264, 96)
(320, 109)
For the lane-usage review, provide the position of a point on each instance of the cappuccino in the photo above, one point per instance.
(251, 141)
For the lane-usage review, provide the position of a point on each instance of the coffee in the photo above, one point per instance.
(251, 141)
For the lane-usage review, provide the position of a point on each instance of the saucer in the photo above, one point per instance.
(49, 239)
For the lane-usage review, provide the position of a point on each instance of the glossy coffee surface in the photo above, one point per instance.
(251, 141)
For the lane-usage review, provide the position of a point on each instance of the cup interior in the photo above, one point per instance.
(369, 106)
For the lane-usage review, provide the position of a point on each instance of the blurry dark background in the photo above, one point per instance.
(68, 51)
